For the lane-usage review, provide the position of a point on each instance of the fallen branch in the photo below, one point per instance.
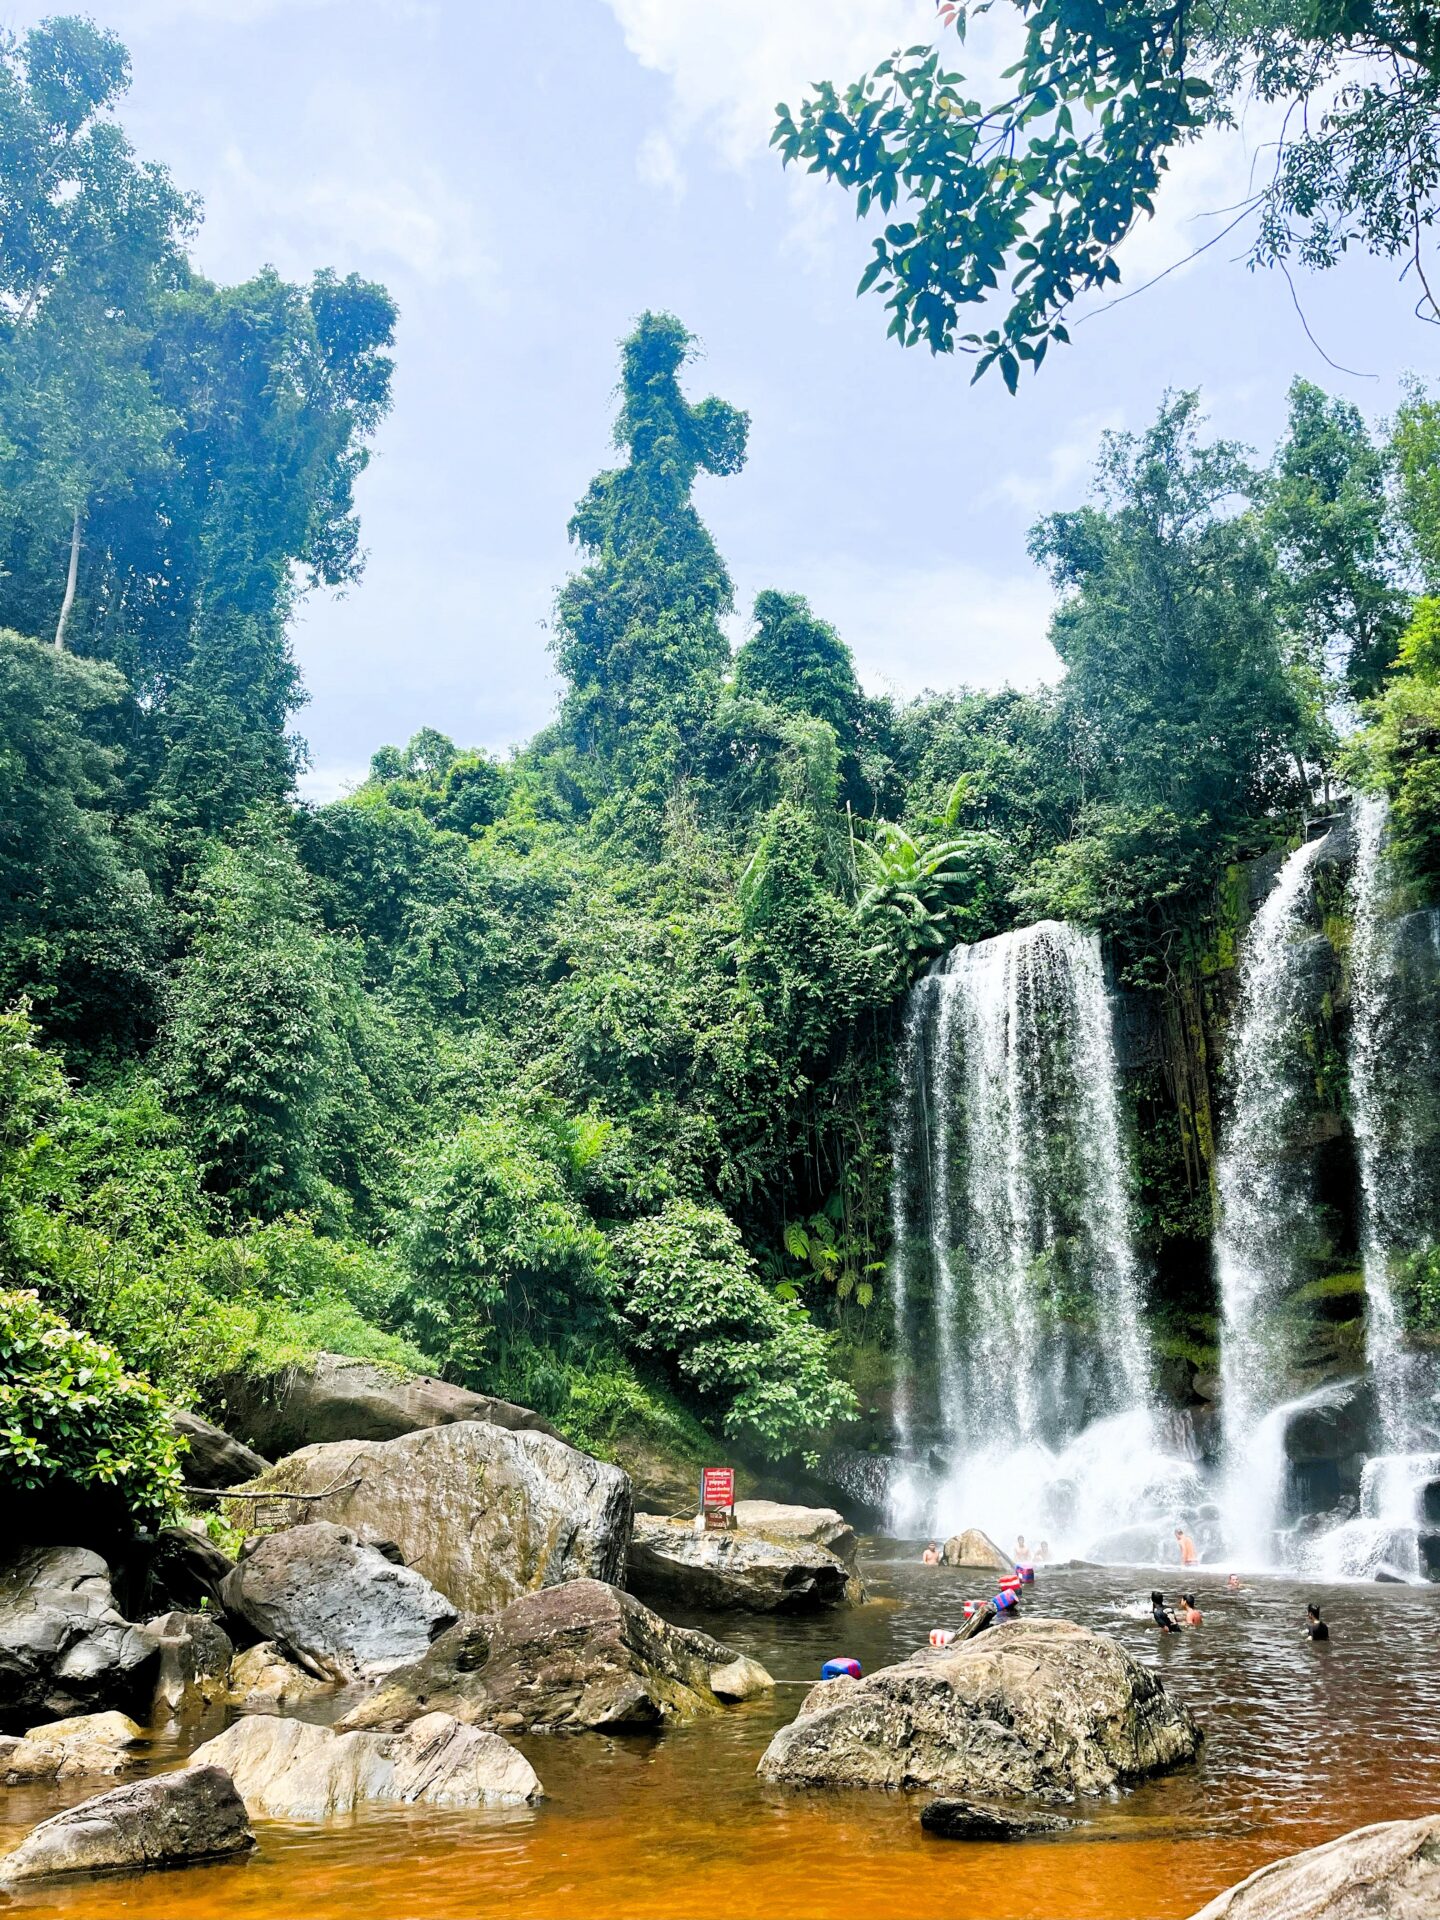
(274, 1493)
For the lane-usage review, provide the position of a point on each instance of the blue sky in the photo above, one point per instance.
(526, 179)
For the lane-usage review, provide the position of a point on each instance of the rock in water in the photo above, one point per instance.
(576, 1656)
(65, 1749)
(341, 1606)
(739, 1569)
(64, 1647)
(814, 1526)
(976, 1549)
(290, 1770)
(194, 1670)
(262, 1677)
(173, 1821)
(965, 1820)
(1387, 1872)
(215, 1458)
(1039, 1708)
(336, 1398)
(487, 1513)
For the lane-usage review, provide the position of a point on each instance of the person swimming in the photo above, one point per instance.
(931, 1555)
(1161, 1615)
(1233, 1583)
(1190, 1614)
(1315, 1627)
(1189, 1553)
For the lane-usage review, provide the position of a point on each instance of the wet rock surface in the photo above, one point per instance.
(64, 1646)
(970, 1820)
(742, 1569)
(67, 1749)
(583, 1655)
(486, 1513)
(1035, 1708)
(176, 1820)
(335, 1603)
(1386, 1872)
(972, 1548)
(292, 1770)
(336, 1398)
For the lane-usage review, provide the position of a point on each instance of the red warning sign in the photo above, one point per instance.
(717, 1487)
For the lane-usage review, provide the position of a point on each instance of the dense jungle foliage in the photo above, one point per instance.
(566, 1075)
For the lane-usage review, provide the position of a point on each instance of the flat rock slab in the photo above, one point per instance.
(336, 1398)
(173, 1821)
(291, 1770)
(966, 1820)
(339, 1604)
(739, 1569)
(1386, 1872)
(1038, 1709)
(580, 1656)
(486, 1513)
(65, 1749)
(64, 1646)
(976, 1549)
(812, 1526)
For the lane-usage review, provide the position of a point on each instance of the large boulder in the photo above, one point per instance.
(488, 1514)
(194, 1667)
(577, 1656)
(972, 1548)
(1326, 1439)
(291, 1770)
(807, 1526)
(64, 1646)
(335, 1398)
(336, 1603)
(186, 1570)
(741, 1569)
(173, 1821)
(213, 1457)
(65, 1749)
(1387, 1872)
(1039, 1708)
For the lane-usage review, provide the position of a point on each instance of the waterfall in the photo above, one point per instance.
(1383, 1043)
(1012, 1198)
(1264, 1194)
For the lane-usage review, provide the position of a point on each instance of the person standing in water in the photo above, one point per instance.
(1161, 1614)
(1042, 1554)
(1021, 1555)
(1315, 1627)
(1189, 1554)
(931, 1555)
(1190, 1614)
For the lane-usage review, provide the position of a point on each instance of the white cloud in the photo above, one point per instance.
(333, 781)
(1061, 477)
(658, 164)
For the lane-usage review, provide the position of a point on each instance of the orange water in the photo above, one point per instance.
(1303, 1742)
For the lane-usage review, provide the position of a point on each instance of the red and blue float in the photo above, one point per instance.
(835, 1669)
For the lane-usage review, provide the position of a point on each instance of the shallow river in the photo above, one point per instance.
(1302, 1742)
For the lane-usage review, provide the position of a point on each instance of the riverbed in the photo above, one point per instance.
(1303, 1741)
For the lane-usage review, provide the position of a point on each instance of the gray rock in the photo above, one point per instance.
(741, 1569)
(336, 1398)
(172, 1821)
(262, 1678)
(64, 1646)
(1386, 1872)
(290, 1770)
(486, 1513)
(186, 1569)
(65, 1749)
(1035, 1708)
(194, 1669)
(582, 1655)
(976, 1549)
(215, 1458)
(967, 1820)
(339, 1606)
(810, 1526)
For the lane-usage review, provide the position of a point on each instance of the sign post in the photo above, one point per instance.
(717, 1497)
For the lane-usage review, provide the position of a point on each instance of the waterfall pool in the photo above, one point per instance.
(1303, 1741)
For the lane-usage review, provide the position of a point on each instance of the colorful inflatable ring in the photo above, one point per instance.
(833, 1669)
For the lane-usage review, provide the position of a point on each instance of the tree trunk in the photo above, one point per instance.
(68, 602)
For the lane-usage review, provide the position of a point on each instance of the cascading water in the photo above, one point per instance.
(1264, 1196)
(1011, 1218)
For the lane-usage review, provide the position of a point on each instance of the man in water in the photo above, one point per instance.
(931, 1555)
(1042, 1554)
(1188, 1552)
(1190, 1614)
(1161, 1615)
(1233, 1583)
(1021, 1555)
(1315, 1627)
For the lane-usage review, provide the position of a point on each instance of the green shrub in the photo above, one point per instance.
(72, 1417)
(756, 1363)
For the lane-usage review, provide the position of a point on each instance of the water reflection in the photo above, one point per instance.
(1303, 1741)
